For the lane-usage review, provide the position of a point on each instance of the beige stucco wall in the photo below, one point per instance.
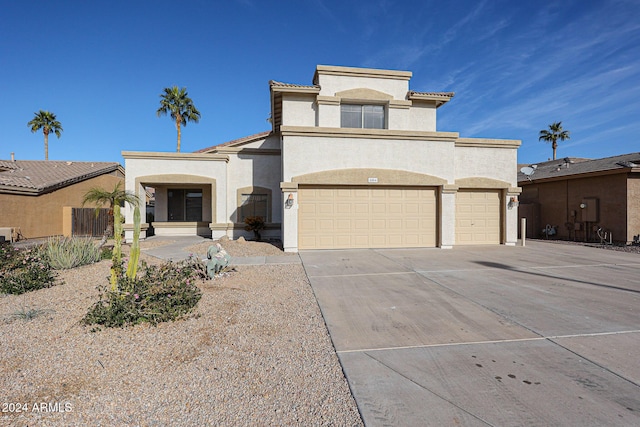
(299, 110)
(421, 117)
(41, 216)
(486, 161)
(254, 170)
(332, 80)
(303, 155)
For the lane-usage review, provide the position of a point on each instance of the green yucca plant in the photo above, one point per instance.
(69, 252)
(134, 254)
(116, 265)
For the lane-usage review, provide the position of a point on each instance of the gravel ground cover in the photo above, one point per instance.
(255, 352)
(620, 248)
(242, 248)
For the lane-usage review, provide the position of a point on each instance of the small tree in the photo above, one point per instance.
(48, 123)
(114, 199)
(117, 196)
(554, 134)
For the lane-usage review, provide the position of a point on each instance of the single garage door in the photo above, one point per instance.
(478, 217)
(366, 217)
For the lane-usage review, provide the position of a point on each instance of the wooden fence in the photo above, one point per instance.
(85, 222)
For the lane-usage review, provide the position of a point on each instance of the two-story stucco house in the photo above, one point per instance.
(352, 161)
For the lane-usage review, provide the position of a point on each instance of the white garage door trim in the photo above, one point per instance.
(341, 217)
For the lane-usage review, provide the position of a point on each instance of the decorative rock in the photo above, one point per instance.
(241, 239)
(224, 238)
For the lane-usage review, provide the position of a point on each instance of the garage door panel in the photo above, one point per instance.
(412, 208)
(322, 193)
(395, 208)
(365, 217)
(344, 208)
(478, 217)
(378, 224)
(343, 224)
(341, 240)
(378, 208)
(361, 208)
(394, 224)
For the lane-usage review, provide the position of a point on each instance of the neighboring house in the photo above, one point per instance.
(352, 161)
(34, 193)
(574, 197)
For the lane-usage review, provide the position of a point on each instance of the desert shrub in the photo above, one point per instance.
(255, 224)
(29, 313)
(24, 270)
(69, 252)
(158, 294)
(198, 266)
(106, 252)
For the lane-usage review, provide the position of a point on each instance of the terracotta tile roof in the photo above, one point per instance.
(238, 141)
(275, 84)
(433, 94)
(573, 166)
(39, 176)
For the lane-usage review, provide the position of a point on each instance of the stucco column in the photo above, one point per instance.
(127, 211)
(511, 216)
(289, 216)
(448, 216)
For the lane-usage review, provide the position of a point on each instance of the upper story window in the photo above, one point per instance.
(362, 116)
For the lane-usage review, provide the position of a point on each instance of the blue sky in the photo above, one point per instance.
(515, 66)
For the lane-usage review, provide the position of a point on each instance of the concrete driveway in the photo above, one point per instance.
(547, 334)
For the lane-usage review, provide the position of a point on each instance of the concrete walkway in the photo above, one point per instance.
(546, 334)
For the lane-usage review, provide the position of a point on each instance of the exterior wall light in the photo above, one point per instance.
(583, 205)
(289, 202)
(513, 202)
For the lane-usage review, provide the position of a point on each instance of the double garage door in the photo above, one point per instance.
(366, 217)
(391, 217)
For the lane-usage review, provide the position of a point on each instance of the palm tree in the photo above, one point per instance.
(179, 106)
(554, 134)
(117, 196)
(46, 121)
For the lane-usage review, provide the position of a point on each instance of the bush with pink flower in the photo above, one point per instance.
(157, 294)
(24, 270)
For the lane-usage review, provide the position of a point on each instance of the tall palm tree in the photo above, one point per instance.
(46, 121)
(117, 196)
(179, 106)
(553, 135)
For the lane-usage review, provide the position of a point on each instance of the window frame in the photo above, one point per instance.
(249, 192)
(172, 207)
(363, 116)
